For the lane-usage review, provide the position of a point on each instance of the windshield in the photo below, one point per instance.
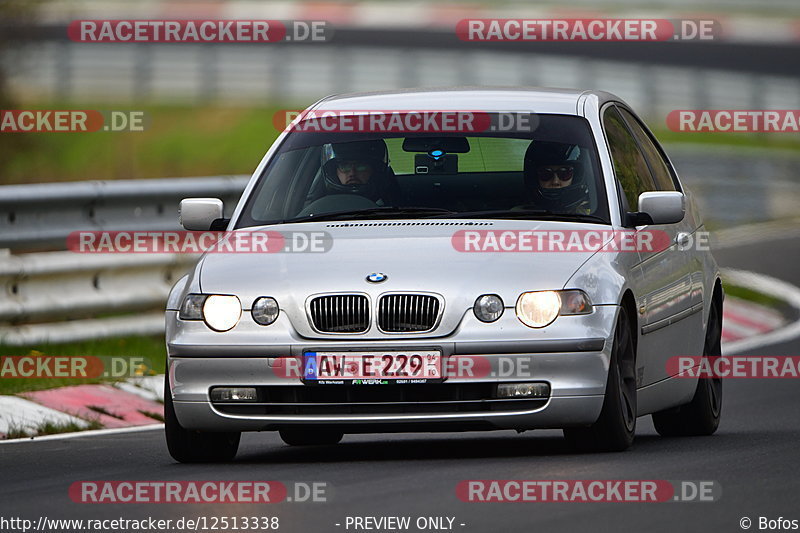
(549, 172)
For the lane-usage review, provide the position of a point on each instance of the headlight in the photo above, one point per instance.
(538, 309)
(192, 307)
(265, 310)
(488, 307)
(221, 313)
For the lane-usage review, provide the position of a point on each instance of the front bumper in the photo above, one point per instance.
(572, 356)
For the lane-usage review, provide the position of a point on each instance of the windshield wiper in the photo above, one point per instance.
(375, 212)
(578, 216)
(499, 213)
(534, 214)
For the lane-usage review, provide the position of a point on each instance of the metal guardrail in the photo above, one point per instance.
(40, 217)
(44, 289)
(55, 296)
(655, 80)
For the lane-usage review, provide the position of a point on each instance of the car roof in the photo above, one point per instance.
(488, 99)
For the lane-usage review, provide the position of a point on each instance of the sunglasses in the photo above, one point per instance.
(564, 173)
(348, 166)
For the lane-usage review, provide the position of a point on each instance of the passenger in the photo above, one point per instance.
(555, 181)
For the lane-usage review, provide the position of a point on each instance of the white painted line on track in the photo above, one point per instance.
(81, 434)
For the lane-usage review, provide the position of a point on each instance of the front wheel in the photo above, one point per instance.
(700, 416)
(188, 446)
(616, 426)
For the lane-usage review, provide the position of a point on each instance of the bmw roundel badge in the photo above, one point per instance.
(377, 277)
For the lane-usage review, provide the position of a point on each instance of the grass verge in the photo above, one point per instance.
(744, 293)
(747, 140)
(177, 141)
(151, 349)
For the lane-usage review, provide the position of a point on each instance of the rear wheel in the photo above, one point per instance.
(310, 437)
(189, 446)
(702, 415)
(616, 426)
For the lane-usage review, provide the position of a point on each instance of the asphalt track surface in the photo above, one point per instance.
(754, 458)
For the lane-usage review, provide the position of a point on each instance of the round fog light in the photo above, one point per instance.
(488, 307)
(234, 394)
(265, 310)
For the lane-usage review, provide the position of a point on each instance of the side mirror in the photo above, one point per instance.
(199, 213)
(662, 207)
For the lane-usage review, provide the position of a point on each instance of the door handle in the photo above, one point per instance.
(682, 239)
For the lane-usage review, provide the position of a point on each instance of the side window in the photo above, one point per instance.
(630, 166)
(661, 173)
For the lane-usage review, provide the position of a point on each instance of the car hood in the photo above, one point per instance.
(415, 255)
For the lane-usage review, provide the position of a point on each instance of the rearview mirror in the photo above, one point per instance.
(662, 207)
(450, 145)
(199, 213)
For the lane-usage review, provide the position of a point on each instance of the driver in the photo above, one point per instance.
(554, 179)
(359, 167)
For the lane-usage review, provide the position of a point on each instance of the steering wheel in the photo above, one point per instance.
(337, 202)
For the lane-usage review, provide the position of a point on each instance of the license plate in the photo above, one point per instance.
(371, 368)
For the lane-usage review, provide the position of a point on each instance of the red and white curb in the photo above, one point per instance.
(136, 404)
(754, 321)
(112, 407)
(21, 415)
(742, 319)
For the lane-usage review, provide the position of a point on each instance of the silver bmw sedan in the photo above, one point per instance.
(448, 260)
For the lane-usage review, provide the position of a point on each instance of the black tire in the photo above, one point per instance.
(310, 437)
(615, 428)
(188, 446)
(701, 416)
